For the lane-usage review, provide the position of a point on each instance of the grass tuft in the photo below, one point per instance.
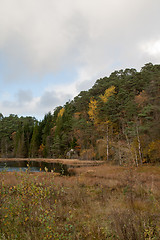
(102, 202)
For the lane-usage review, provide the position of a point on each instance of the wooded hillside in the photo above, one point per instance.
(118, 120)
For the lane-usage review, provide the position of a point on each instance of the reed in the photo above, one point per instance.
(102, 202)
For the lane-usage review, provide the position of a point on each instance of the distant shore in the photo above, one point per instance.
(73, 162)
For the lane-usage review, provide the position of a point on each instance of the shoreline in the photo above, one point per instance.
(72, 162)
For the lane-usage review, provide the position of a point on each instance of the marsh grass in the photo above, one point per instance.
(104, 202)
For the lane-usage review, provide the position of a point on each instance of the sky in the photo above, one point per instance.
(50, 50)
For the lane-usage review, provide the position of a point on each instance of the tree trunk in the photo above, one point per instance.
(139, 145)
(107, 143)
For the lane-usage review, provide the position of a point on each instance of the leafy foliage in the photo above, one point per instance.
(129, 101)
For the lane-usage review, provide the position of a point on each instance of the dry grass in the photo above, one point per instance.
(102, 202)
(72, 162)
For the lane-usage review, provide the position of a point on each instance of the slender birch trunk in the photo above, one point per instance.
(136, 159)
(139, 145)
(128, 143)
(119, 152)
(107, 143)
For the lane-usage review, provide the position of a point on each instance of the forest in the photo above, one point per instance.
(117, 120)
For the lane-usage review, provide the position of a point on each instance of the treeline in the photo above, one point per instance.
(118, 120)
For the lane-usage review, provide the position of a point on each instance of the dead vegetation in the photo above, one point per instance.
(102, 202)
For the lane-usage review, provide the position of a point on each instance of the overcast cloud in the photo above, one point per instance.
(87, 38)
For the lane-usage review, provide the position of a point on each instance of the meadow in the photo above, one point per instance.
(98, 202)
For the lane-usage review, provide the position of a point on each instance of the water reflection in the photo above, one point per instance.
(33, 166)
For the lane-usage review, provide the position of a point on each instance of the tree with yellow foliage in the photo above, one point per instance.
(108, 93)
(154, 151)
(94, 113)
(61, 112)
(93, 110)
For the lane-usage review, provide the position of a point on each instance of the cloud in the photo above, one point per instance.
(52, 98)
(152, 48)
(24, 96)
(46, 36)
(24, 103)
(39, 34)
(92, 37)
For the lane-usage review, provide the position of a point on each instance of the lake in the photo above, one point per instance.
(33, 166)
